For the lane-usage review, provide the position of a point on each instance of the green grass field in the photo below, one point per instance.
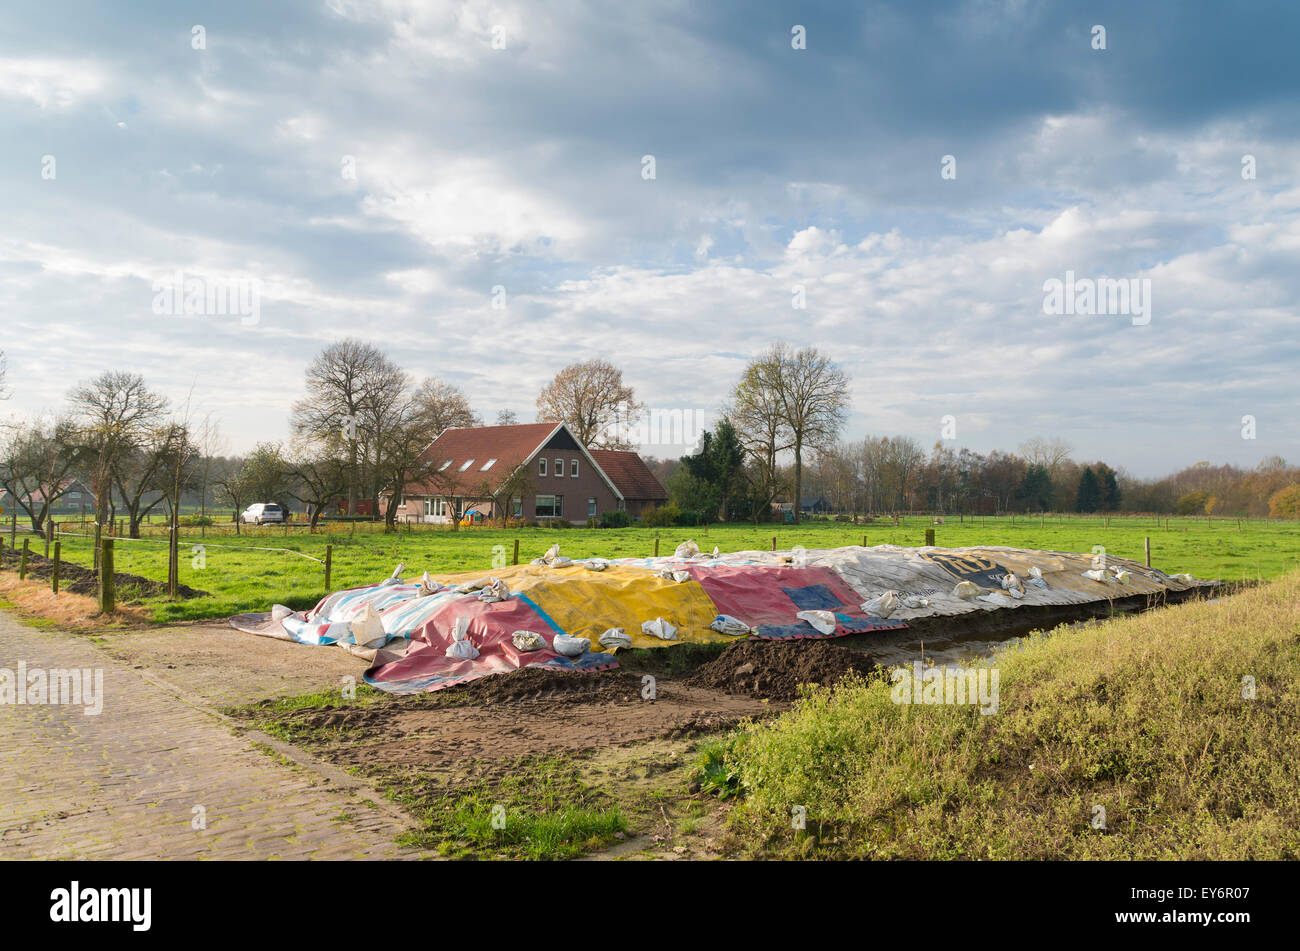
(243, 578)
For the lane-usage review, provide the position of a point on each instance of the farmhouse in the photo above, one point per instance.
(529, 471)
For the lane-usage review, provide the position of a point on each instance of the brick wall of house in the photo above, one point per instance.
(587, 484)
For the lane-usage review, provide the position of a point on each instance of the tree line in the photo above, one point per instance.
(359, 436)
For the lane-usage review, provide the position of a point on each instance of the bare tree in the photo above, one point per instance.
(339, 382)
(438, 406)
(590, 397)
(808, 394)
(37, 462)
(507, 417)
(4, 372)
(1051, 454)
(114, 413)
(319, 474)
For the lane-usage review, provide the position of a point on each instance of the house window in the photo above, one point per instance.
(542, 466)
(444, 465)
(488, 465)
(466, 464)
(591, 507)
(517, 505)
(622, 505)
(435, 506)
(549, 506)
(573, 468)
(559, 468)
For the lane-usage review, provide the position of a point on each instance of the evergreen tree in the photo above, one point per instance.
(1089, 497)
(1110, 494)
(1036, 489)
(716, 473)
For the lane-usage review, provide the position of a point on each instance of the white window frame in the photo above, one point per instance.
(573, 468)
(591, 506)
(557, 502)
(542, 463)
(559, 468)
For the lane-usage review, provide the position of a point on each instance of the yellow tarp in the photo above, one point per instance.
(586, 603)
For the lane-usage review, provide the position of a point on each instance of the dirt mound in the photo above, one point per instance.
(775, 669)
(79, 580)
(532, 683)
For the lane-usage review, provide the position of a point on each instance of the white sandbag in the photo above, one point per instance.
(687, 549)
(1016, 593)
(614, 638)
(912, 602)
(552, 553)
(966, 590)
(1035, 572)
(823, 621)
(1184, 578)
(596, 564)
(570, 646)
(659, 628)
(882, 606)
(395, 577)
(715, 551)
(559, 561)
(460, 646)
(1096, 575)
(368, 628)
(1037, 582)
(428, 586)
(726, 624)
(1121, 575)
(998, 598)
(528, 640)
(469, 587)
(675, 574)
(1011, 582)
(496, 590)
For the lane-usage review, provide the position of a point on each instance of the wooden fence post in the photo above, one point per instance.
(58, 563)
(516, 561)
(329, 566)
(107, 594)
(22, 560)
(773, 543)
(929, 537)
(656, 546)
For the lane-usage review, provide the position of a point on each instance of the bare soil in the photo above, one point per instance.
(776, 669)
(77, 579)
(506, 717)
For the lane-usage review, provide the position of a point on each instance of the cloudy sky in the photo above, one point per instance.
(377, 167)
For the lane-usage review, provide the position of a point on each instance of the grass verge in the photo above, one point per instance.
(1136, 738)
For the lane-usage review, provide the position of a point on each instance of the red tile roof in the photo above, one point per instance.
(629, 473)
(510, 446)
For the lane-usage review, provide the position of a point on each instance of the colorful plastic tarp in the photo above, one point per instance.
(764, 590)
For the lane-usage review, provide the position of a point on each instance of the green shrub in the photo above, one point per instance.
(662, 517)
(615, 519)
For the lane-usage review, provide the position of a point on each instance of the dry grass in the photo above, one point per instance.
(72, 612)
